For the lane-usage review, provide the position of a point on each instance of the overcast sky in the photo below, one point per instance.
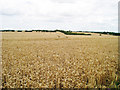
(76, 15)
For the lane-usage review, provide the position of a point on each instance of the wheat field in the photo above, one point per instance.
(55, 60)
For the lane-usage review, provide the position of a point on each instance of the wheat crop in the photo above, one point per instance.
(55, 60)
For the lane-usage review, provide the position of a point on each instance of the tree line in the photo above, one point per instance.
(63, 31)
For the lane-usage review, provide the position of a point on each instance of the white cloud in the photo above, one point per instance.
(59, 14)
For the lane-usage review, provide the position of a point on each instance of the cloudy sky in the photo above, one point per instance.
(93, 15)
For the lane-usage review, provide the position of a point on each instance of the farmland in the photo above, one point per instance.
(56, 60)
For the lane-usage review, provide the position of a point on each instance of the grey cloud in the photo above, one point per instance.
(28, 2)
(9, 13)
